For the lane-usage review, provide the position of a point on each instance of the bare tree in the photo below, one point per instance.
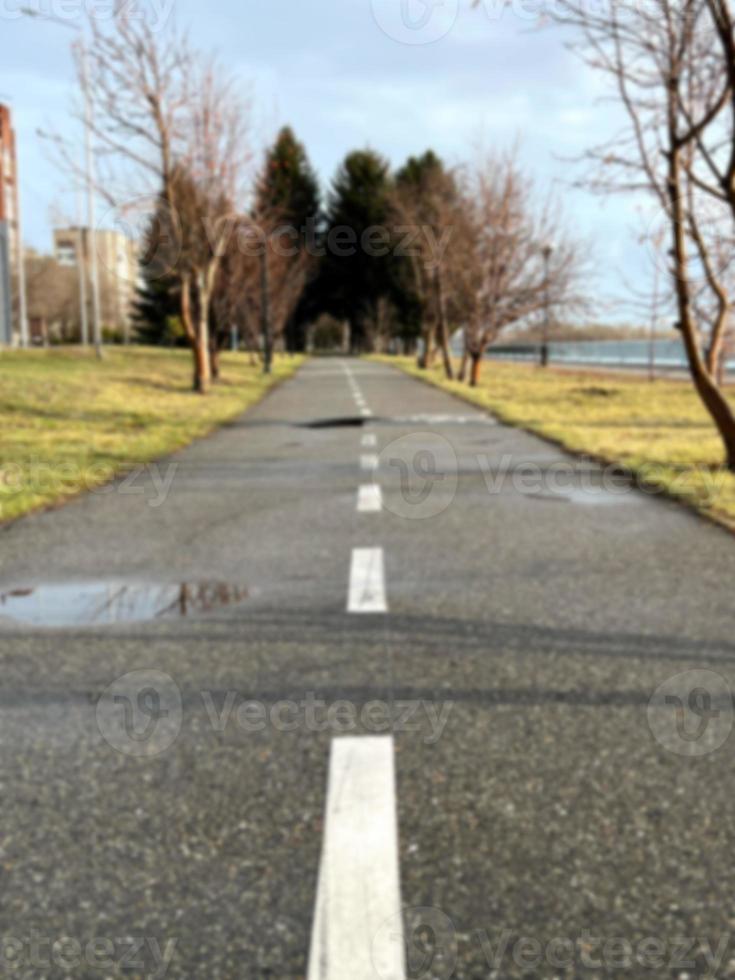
(169, 124)
(671, 64)
(262, 279)
(428, 207)
(509, 275)
(53, 295)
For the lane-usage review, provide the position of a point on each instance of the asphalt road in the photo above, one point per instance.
(163, 810)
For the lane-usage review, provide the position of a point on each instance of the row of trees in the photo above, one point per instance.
(399, 257)
(264, 263)
(428, 249)
(233, 242)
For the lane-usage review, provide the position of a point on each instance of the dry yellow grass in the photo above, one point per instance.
(658, 430)
(69, 423)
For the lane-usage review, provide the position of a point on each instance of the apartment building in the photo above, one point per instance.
(9, 226)
(117, 262)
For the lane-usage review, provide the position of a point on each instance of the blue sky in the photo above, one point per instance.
(343, 75)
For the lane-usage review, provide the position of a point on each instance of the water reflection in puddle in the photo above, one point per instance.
(107, 603)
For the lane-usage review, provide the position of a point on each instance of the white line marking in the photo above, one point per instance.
(367, 582)
(369, 462)
(444, 419)
(369, 440)
(359, 889)
(366, 413)
(369, 499)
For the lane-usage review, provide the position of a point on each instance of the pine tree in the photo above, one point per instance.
(358, 270)
(157, 307)
(426, 196)
(418, 170)
(288, 183)
(290, 186)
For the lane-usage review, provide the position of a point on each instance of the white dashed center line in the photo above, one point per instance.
(357, 931)
(370, 499)
(369, 440)
(367, 582)
(357, 393)
(369, 462)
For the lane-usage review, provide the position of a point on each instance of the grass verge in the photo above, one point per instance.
(659, 431)
(69, 423)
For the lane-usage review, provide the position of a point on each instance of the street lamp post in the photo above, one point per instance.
(93, 266)
(89, 174)
(82, 270)
(79, 252)
(547, 252)
(25, 339)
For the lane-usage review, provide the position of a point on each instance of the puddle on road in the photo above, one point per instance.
(108, 603)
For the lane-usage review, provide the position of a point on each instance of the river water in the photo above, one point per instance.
(668, 354)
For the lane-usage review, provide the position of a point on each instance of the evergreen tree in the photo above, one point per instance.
(288, 183)
(157, 307)
(358, 269)
(290, 187)
(418, 171)
(426, 196)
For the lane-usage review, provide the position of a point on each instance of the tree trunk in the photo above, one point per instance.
(202, 375)
(713, 399)
(443, 329)
(427, 355)
(200, 351)
(462, 374)
(446, 355)
(265, 315)
(475, 371)
(214, 360)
